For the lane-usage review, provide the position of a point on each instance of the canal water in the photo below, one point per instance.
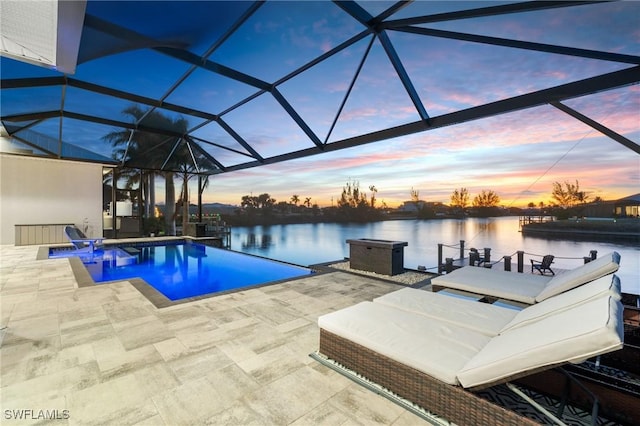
(308, 244)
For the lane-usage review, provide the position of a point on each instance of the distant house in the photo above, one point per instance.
(627, 206)
(435, 208)
(411, 206)
(624, 207)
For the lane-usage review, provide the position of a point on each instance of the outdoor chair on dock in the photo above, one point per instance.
(475, 259)
(525, 288)
(440, 352)
(544, 265)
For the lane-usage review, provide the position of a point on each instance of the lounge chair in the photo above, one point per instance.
(543, 266)
(439, 365)
(525, 288)
(80, 241)
(488, 318)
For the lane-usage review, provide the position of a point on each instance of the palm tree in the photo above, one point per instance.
(295, 199)
(373, 190)
(152, 152)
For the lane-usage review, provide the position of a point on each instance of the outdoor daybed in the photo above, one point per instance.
(436, 351)
(525, 288)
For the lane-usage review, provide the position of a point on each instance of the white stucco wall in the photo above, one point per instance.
(45, 191)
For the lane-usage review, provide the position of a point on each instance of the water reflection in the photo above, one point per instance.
(260, 239)
(307, 244)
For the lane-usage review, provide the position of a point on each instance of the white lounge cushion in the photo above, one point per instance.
(595, 269)
(573, 335)
(506, 285)
(607, 285)
(481, 317)
(433, 347)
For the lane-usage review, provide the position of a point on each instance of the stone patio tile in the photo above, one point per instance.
(323, 414)
(41, 405)
(33, 327)
(171, 349)
(14, 297)
(128, 310)
(55, 384)
(128, 361)
(53, 362)
(18, 350)
(285, 400)
(271, 365)
(156, 379)
(233, 382)
(120, 401)
(225, 314)
(88, 333)
(198, 364)
(236, 350)
(201, 338)
(109, 356)
(257, 337)
(293, 325)
(64, 283)
(190, 403)
(236, 414)
(34, 309)
(271, 311)
(76, 315)
(245, 297)
(184, 317)
(142, 331)
(366, 407)
(151, 421)
(97, 295)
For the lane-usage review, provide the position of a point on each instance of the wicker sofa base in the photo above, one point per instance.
(451, 402)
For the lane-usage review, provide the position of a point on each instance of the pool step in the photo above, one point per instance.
(120, 256)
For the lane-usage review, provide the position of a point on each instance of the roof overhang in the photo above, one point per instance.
(44, 33)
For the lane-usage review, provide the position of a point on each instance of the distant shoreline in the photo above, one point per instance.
(627, 230)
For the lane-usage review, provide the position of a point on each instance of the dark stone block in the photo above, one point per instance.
(379, 256)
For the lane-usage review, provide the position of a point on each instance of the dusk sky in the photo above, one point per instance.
(518, 155)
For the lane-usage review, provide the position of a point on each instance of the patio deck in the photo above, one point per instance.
(108, 356)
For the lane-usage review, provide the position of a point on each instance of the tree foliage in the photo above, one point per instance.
(568, 195)
(263, 202)
(487, 198)
(460, 198)
(415, 195)
(351, 196)
(353, 204)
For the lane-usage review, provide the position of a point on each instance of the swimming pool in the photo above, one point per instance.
(186, 269)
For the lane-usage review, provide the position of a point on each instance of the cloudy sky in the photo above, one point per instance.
(517, 155)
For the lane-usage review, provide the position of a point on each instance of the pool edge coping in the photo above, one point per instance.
(84, 279)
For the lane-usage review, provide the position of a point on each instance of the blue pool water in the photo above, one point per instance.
(187, 270)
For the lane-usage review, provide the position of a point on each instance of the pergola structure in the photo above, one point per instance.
(202, 83)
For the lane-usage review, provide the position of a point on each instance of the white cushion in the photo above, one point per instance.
(507, 285)
(573, 335)
(433, 347)
(597, 268)
(607, 285)
(481, 317)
